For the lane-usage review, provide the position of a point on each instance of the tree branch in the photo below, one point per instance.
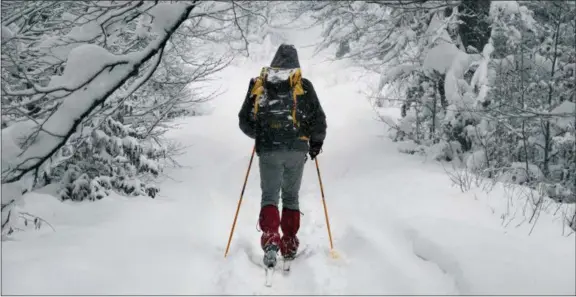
(153, 49)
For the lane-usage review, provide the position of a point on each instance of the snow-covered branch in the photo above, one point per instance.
(97, 80)
(486, 84)
(89, 88)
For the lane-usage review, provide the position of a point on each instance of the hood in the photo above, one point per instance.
(286, 57)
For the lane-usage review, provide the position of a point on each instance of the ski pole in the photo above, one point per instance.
(240, 202)
(332, 252)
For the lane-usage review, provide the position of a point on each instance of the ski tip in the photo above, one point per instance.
(269, 274)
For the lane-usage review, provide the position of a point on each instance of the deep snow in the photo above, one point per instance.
(397, 222)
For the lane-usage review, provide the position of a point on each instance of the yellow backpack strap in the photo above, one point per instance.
(297, 89)
(258, 89)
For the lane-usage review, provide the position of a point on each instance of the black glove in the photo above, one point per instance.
(315, 149)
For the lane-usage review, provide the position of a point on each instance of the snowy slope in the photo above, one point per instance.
(398, 225)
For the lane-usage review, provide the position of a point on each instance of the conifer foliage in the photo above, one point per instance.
(486, 85)
(90, 87)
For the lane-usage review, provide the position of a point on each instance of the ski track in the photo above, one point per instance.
(375, 217)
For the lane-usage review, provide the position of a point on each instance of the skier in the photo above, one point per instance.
(287, 122)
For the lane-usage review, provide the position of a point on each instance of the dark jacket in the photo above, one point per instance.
(312, 126)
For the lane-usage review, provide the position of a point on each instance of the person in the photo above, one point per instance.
(282, 148)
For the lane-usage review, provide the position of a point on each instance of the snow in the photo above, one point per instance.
(458, 91)
(436, 31)
(538, 64)
(164, 15)
(92, 73)
(566, 138)
(85, 33)
(504, 7)
(80, 69)
(397, 72)
(443, 150)
(130, 142)
(147, 163)
(476, 160)
(276, 75)
(480, 77)
(565, 122)
(407, 146)
(57, 48)
(441, 57)
(83, 63)
(12, 138)
(6, 33)
(519, 174)
(397, 223)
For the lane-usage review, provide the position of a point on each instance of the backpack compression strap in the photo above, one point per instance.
(258, 89)
(295, 80)
(297, 89)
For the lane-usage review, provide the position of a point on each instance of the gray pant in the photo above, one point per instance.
(281, 170)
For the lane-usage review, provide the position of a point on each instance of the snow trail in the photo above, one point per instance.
(398, 225)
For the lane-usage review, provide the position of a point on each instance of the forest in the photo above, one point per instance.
(90, 87)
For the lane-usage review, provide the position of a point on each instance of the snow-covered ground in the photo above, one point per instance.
(397, 222)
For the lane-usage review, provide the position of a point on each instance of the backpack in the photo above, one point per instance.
(275, 104)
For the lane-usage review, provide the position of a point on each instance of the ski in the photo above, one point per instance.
(270, 262)
(269, 276)
(287, 262)
(286, 266)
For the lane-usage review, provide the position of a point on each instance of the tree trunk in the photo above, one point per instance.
(442, 92)
(547, 136)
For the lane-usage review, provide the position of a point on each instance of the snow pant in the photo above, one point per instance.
(280, 171)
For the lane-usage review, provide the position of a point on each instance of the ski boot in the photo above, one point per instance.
(270, 256)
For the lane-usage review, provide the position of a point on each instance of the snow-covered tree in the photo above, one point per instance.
(489, 84)
(88, 88)
(531, 99)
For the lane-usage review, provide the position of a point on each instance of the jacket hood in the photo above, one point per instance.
(286, 57)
